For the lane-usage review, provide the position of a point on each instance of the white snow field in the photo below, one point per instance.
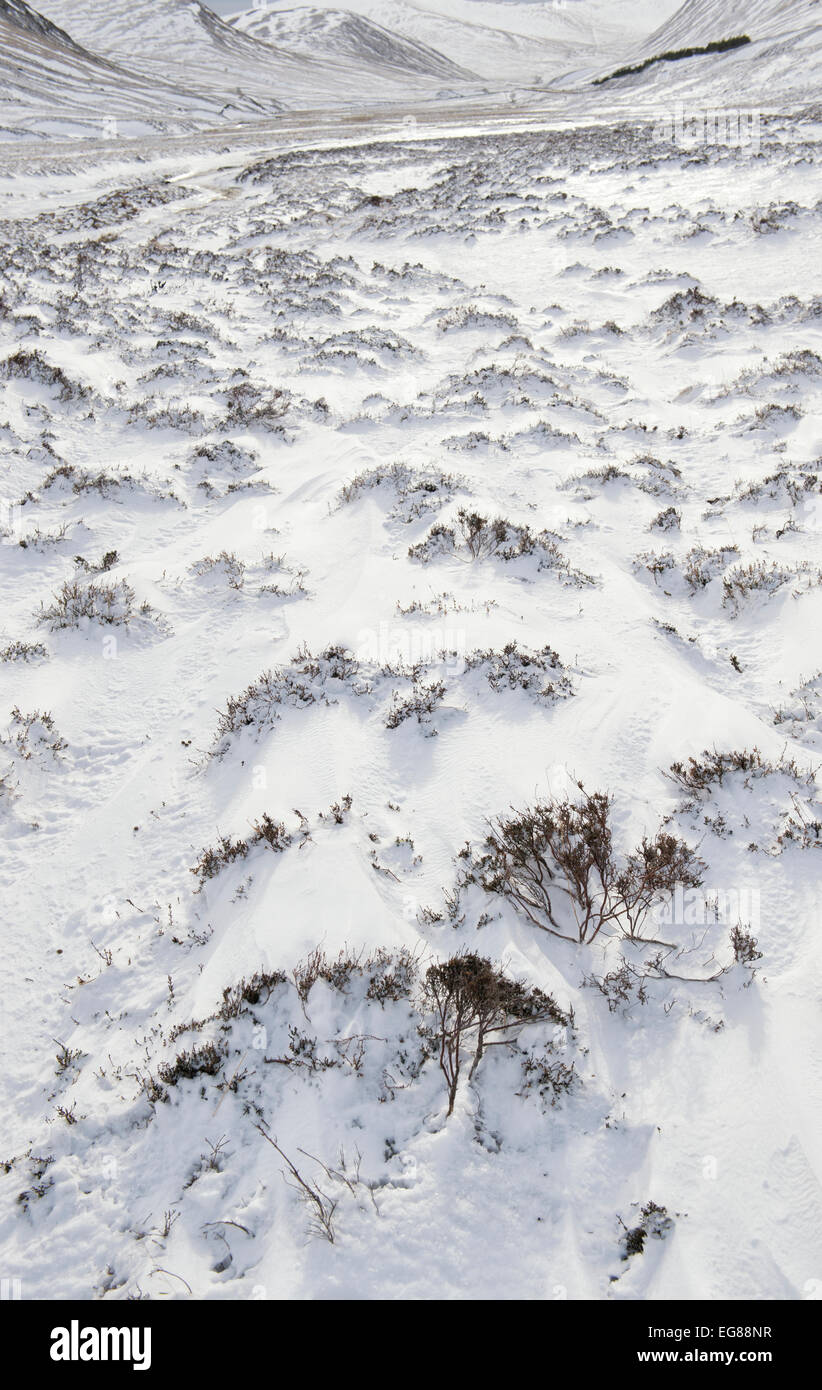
(410, 661)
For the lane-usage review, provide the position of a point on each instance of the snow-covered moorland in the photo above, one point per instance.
(411, 713)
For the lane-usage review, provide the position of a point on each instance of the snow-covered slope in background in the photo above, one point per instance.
(48, 78)
(18, 14)
(187, 45)
(168, 65)
(567, 46)
(782, 59)
(702, 21)
(522, 43)
(490, 52)
(318, 32)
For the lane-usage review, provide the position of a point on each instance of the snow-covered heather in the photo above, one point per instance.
(364, 494)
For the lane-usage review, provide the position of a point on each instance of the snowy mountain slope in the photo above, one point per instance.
(178, 41)
(52, 82)
(782, 59)
(702, 21)
(263, 676)
(518, 42)
(492, 53)
(18, 14)
(338, 32)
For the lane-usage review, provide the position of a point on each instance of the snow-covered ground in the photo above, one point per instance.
(375, 488)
